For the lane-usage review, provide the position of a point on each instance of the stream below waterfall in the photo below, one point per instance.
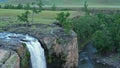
(36, 51)
(86, 58)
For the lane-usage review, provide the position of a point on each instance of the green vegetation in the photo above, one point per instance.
(24, 17)
(59, 41)
(86, 8)
(53, 7)
(68, 2)
(53, 60)
(25, 63)
(85, 26)
(107, 38)
(101, 29)
(36, 10)
(9, 16)
(62, 18)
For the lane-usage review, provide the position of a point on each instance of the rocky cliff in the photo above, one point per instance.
(61, 48)
(9, 59)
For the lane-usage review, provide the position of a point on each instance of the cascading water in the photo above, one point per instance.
(36, 51)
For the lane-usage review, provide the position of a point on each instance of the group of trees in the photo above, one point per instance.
(19, 6)
(107, 38)
(85, 26)
(25, 6)
(103, 30)
(10, 6)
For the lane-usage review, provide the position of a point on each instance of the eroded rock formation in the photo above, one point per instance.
(61, 48)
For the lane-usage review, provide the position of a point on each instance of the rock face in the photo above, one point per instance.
(111, 61)
(12, 54)
(9, 59)
(63, 44)
(61, 48)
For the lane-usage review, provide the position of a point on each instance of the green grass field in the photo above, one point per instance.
(8, 16)
(46, 17)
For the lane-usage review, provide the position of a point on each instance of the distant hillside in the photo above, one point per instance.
(65, 2)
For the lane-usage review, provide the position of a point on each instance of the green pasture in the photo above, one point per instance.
(46, 17)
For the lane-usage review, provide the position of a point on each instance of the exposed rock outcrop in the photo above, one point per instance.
(61, 48)
(9, 59)
(111, 61)
(13, 54)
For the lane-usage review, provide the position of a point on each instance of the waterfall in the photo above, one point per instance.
(36, 51)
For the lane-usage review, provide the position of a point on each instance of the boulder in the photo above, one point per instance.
(9, 59)
(12, 53)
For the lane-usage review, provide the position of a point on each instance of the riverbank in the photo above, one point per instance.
(88, 58)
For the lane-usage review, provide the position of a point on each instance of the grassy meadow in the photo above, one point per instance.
(9, 16)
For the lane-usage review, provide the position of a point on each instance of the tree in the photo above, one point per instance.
(36, 8)
(27, 7)
(54, 7)
(9, 6)
(24, 17)
(19, 6)
(86, 8)
(62, 18)
(0, 6)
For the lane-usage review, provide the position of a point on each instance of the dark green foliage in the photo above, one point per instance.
(19, 6)
(36, 8)
(53, 7)
(27, 6)
(107, 39)
(0, 6)
(25, 59)
(63, 19)
(102, 29)
(9, 6)
(85, 26)
(86, 8)
(24, 17)
(102, 41)
(56, 60)
(59, 41)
